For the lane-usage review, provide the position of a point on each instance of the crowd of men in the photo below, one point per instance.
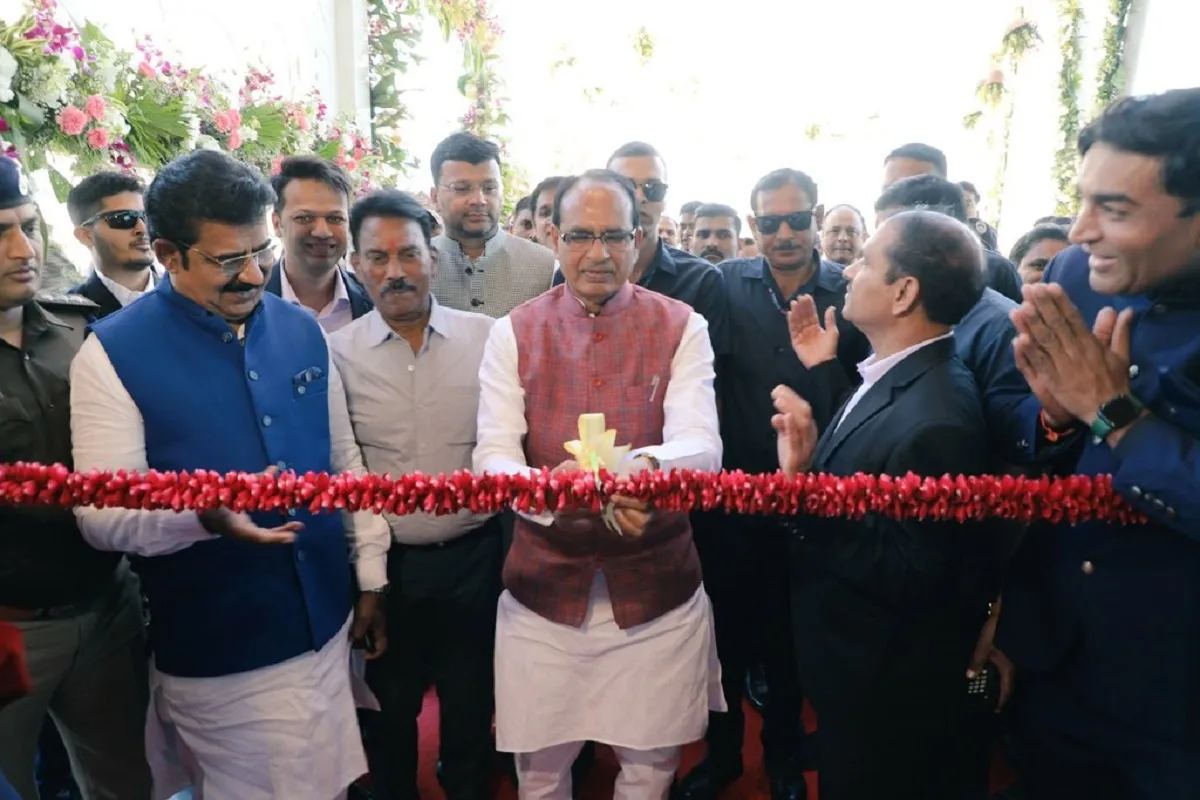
(237, 324)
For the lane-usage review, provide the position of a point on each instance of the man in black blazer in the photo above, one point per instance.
(110, 221)
(884, 626)
(312, 214)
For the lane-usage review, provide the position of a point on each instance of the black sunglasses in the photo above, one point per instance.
(117, 220)
(654, 189)
(798, 221)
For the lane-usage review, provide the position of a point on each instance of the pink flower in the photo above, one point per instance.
(350, 165)
(72, 121)
(3, 125)
(95, 107)
(302, 120)
(277, 165)
(358, 153)
(97, 138)
(234, 141)
(147, 70)
(227, 121)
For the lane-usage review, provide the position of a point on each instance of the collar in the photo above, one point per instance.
(828, 276)
(874, 368)
(490, 247)
(340, 294)
(126, 296)
(37, 320)
(378, 331)
(613, 305)
(662, 260)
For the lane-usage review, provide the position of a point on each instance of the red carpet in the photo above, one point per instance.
(753, 784)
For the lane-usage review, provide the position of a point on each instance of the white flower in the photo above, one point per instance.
(248, 134)
(8, 66)
(207, 143)
(347, 141)
(114, 122)
(6, 92)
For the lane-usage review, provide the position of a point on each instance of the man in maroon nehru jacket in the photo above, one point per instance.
(604, 632)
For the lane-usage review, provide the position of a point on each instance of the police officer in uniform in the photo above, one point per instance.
(78, 609)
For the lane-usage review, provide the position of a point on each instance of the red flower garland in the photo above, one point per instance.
(1073, 499)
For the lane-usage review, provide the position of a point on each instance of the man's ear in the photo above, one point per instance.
(819, 215)
(85, 236)
(169, 255)
(275, 220)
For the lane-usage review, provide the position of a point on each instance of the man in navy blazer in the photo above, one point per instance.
(1104, 620)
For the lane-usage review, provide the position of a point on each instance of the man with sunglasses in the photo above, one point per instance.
(110, 221)
(77, 607)
(251, 625)
(745, 558)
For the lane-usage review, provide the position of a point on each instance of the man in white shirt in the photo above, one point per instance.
(251, 624)
(411, 371)
(604, 633)
(110, 221)
(311, 214)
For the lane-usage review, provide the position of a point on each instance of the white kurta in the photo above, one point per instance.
(642, 688)
(287, 730)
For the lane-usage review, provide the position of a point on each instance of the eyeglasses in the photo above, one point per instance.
(798, 221)
(654, 190)
(265, 257)
(582, 240)
(117, 220)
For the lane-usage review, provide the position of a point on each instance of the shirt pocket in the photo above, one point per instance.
(310, 383)
(17, 433)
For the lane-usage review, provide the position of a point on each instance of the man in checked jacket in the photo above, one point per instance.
(604, 632)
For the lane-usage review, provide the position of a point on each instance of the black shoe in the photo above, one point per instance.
(756, 688)
(789, 787)
(705, 782)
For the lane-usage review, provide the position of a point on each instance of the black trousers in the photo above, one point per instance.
(746, 564)
(441, 632)
(1066, 751)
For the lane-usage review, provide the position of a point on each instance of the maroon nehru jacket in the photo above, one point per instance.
(617, 363)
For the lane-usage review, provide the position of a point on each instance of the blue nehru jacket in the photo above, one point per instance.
(222, 606)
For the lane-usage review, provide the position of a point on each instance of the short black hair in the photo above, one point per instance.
(1030, 239)
(916, 151)
(1062, 222)
(777, 179)
(597, 176)
(690, 207)
(389, 204)
(308, 168)
(524, 204)
(944, 256)
(634, 150)
(925, 191)
(969, 188)
(1164, 126)
(548, 184)
(466, 147)
(857, 213)
(720, 210)
(88, 196)
(204, 186)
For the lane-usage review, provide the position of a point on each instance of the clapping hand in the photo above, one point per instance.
(795, 431)
(812, 343)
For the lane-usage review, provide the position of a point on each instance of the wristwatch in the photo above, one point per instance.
(1115, 414)
(655, 464)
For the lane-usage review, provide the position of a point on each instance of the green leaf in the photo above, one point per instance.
(60, 184)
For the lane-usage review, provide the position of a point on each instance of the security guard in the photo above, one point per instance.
(78, 609)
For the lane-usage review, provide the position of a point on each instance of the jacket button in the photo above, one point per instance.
(266, 421)
(252, 375)
(282, 465)
(291, 512)
(599, 337)
(1087, 568)
(300, 555)
(1136, 491)
(227, 337)
(301, 390)
(1133, 370)
(597, 382)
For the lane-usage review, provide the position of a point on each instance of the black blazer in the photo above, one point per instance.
(879, 606)
(360, 302)
(95, 290)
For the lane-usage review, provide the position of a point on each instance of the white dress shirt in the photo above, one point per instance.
(108, 434)
(333, 317)
(873, 368)
(126, 296)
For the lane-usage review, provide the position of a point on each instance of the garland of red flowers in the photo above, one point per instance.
(1072, 499)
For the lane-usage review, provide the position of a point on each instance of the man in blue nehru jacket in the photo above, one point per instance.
(251, 624)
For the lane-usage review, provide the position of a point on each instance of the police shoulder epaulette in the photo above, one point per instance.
(63, 300)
